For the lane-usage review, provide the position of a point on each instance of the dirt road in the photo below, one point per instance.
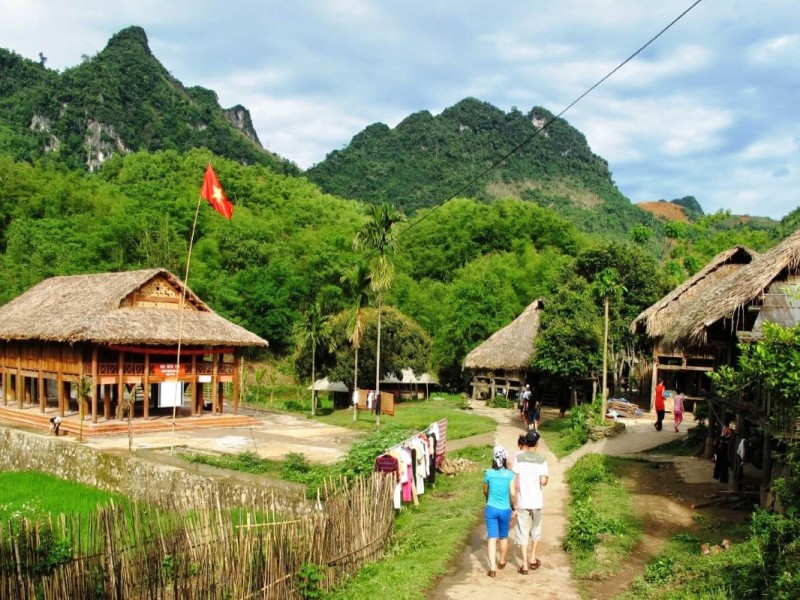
(553, 580)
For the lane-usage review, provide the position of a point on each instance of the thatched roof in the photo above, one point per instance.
(657, 320)
(102, 309)
(729, 299)
(512, 346)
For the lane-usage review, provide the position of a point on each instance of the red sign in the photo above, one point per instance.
(170, 371)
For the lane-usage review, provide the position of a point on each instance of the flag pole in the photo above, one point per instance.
(180, 317)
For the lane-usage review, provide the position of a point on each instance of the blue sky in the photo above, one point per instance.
(710, 109)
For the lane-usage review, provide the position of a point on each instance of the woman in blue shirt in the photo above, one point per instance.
(499, 489)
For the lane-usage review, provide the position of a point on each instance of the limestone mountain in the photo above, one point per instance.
(121, 100)
(427, 158)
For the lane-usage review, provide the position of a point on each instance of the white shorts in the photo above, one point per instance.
(529, 526)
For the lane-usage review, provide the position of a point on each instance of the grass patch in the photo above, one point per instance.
(680, 572)
(416, 416)
(682, 447)
(602, 526)
(426, 538)
(557, 436)
(359, 460)
(31, 494)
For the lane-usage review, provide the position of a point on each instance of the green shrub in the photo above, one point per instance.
(501, 402)
(659, 572)
(587, 472)
(310, 578)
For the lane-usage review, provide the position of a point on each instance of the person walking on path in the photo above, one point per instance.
(659, 405)
(499, 489)
(677, 410)
(532, 475)
(524, 399)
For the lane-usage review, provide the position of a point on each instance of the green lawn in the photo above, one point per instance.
(602, 528)
(417, 416)
(31, 494)
(556, 434)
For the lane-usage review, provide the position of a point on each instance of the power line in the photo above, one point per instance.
(530, 138)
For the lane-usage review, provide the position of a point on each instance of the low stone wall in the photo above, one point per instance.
(141, 479)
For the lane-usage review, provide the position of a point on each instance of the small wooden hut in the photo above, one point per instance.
(503, 361)
(683, 366)
(122, 333)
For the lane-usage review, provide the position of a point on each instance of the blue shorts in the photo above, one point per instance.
(497, 521)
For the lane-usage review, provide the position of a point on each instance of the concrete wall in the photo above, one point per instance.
(164, 480)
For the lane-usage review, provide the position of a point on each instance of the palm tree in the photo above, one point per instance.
(313, 331)
(358, 283)
(379, 237)
(607, 285)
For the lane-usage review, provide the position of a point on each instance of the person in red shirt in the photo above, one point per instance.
(659, 405)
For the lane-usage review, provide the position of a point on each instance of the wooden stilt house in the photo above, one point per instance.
(731, 310)
(683, 366)
(122, 333)
(502, 362)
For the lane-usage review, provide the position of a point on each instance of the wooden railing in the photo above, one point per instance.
(202, 368)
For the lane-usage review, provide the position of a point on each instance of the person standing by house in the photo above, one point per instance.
(524, 398)
(677, 409)
(531, 410)
(532, 475)
(499, 489)
(659, 405)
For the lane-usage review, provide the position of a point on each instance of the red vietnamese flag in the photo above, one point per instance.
(212, 191)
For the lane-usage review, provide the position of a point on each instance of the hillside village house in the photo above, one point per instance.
(121, 333)
(735, 295)
(684, 367)
(502, 362)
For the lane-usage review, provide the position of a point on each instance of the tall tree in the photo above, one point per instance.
(607, 286)
(312, 331)
(358, 283)
(379, 237)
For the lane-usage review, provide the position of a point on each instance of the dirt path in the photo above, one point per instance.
(467, 578)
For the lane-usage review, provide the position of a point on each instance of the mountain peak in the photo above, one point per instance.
(129, 36)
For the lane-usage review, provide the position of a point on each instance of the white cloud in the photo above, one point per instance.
(777, 51)
(778, 146)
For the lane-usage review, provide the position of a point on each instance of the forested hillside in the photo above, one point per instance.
(547, 223)
(427, 158)
(120, 100)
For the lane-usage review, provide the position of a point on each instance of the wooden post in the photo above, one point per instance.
(214, 390)
(193, 387)
(94, 384)
(146, 386)
(18, 380)
(40, 391)
(493, 387)
(106, 401)
(237, 364)
(120, 382)
(5, 374)
(60, 385)
(654, 378)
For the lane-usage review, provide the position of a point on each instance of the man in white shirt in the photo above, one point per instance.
(532, 475)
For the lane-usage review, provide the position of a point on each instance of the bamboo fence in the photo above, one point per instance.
(185, 552)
